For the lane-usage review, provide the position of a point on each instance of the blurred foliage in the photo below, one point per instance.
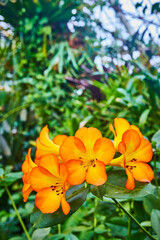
(49, 76)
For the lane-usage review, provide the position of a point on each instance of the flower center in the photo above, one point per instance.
(58, 188)
(87, 163)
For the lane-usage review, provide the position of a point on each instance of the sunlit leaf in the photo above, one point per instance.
(115, 187)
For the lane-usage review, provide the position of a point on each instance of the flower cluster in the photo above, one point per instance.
(66, 161)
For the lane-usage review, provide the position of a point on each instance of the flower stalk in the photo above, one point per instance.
(133, 218)
(17, 213)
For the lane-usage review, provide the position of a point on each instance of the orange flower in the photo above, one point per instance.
(49, 181)
(46, 146)
(86, 155)
(121, 125)
(27, 167)
(136, 152)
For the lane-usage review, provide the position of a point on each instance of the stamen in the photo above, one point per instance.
(93, 165)
(133, 160)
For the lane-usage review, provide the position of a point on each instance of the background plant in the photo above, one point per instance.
(50, 75)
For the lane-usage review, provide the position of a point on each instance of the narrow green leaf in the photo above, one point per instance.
(143, 117)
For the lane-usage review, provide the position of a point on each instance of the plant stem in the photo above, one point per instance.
(59, 228)
(13, 111)
(133, 218)
(17, 213)
(129, 221)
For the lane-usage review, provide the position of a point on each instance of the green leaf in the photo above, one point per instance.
(98, 191)
(156, 138)
(40, 234)
(75, 196)
(1, 172)
(12, 177)
(143, 117)
(155, 221)
(70, 236)
(150, 202)
(115, 187)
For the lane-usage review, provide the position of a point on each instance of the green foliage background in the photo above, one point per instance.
(49, 76)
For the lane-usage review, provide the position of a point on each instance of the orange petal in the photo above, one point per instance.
(130, 181)
(28, 163)
(121, 125)
(104, 150)
(120, 161)
(137, 130)
(51, 163)
(96, 174)
(26, 178)
(37, 160)
(45, 145)
(42, 178)
(27, 189)
(111, 128)
(77, 172)
(143, 153)
(72, 148)
(141, 171)
(47, 200)
(65, 206)
(122, 147)
(88, 136)
(63, 171)
(131, 140)
(59, 139)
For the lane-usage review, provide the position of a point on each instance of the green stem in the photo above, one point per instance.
(129, 221)
(13, 111)
(59, 228)
(131, 216)
(17, 213)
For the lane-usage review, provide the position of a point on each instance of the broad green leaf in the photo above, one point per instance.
(1, 172)
(155, 221)
(70, 236)
(98, 191)
(17, 238)
(115, 187)
(138, 236)
(100, 229)
(75, 196)
(156, 138)
(40, 234)
(151, 202)
(12, 177)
